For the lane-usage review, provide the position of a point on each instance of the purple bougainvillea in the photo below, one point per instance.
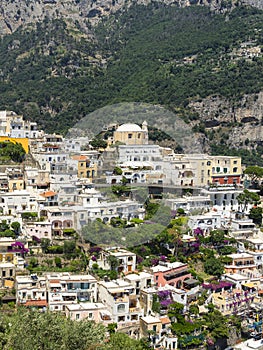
(163, 258)
(95, 250)
(217, 286)
(139, 259)
(155, 262)
(198, 231)
(165, 298)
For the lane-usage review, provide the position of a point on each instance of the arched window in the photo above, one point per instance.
(121, 308)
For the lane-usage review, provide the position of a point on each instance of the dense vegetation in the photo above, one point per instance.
(10, 151)
(33, 330)
(55, 75)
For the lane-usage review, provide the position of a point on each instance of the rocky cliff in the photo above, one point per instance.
(15, 13)
(239, 120)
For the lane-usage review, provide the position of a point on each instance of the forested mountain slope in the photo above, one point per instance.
(203, 65)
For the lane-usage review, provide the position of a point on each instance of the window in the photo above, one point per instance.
(129, 136)
(121, 308)
(235, 170)
(90, 315)
(77, 316)
(235, 161)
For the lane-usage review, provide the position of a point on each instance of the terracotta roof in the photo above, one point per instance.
(54, 281)
(36, 303)
(165, 320)
(79, 157)
(48, 194)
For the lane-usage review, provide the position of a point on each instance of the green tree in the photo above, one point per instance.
(112, 327)
(45, 244)
(255, 173)
(50, 331)
(14, 151)
(256, 215)
(113, 261)
(121, 341)
(33, 262)
(98, 142)
(58, 262)
(69, 248)
(16, 227)
(4, 225)
(117, 171)
(217, 236)
(216, 324)
(246, 198)
(214, 267)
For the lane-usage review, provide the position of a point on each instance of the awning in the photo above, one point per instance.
(191, 281)
(250, 285)
(36, 303)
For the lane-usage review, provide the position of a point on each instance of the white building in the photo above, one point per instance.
(121, 301)
(139, 280)
(224, 199)
(31, 291)
(206, 222)
(39, 229)
(64, 288)
(126, 260)
(189, 203)
(13, 125)
(96, 312)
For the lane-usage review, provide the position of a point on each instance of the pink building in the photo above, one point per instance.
(173, 274)
(39, 229)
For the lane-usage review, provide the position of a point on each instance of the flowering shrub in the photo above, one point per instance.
(19, 247)
(164, 294)
(139, 259)
(165, 298)
(165, 303)
(95, 250)
(198, 231)
(154, 262)
(217, 286)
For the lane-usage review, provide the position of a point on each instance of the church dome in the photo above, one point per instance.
(129, 127)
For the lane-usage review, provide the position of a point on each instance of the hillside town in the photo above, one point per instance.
(121, 231)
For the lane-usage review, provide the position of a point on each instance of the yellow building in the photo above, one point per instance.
(86, 168)
(219, 170)
(16, 180)
(131, 134)
(23, 141)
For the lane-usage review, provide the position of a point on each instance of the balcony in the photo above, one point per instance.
(174, 275)
(134, 309)
(123, 299)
